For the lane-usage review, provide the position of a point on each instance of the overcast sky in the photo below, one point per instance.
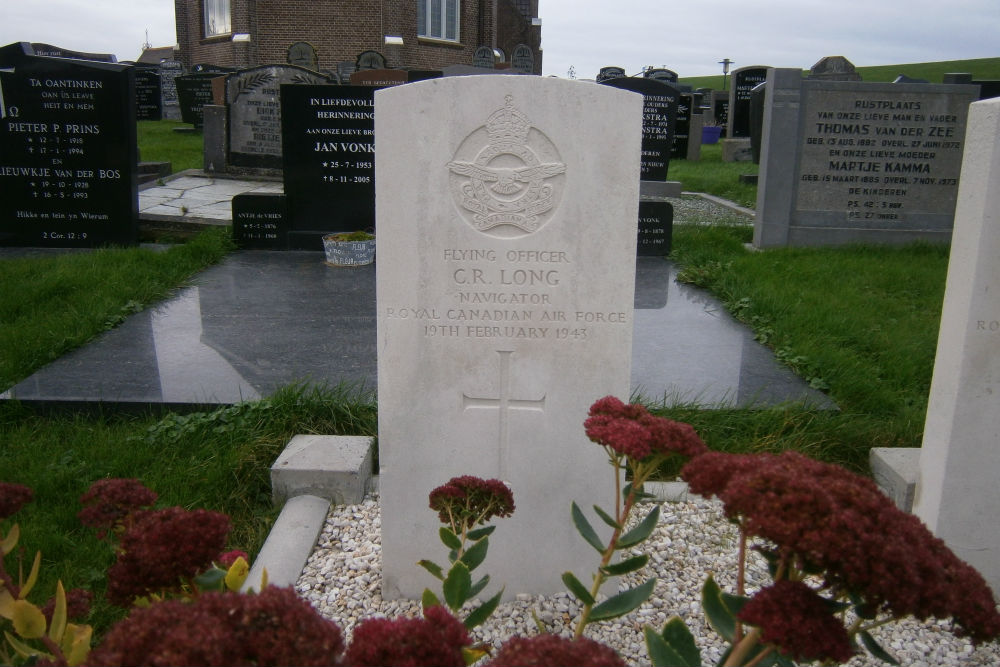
(686, 36)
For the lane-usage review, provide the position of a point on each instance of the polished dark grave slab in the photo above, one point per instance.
(262, 320)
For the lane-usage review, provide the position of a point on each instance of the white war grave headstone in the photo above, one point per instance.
(957, 494)
(506, 211)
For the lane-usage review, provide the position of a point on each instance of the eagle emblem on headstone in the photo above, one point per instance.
(506, 183)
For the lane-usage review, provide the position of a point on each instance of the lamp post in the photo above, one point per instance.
(725, 62)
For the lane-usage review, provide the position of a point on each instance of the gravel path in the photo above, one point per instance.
(342, 579)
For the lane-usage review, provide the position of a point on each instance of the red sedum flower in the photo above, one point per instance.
(841, 524)
(162, 549)
(468, 501)
(555, 651)
(108, 502)
(631, 430)
(227, 559)
(274, 627)
(78, 603)
(798, 621)
(13, 497)
(436, 640)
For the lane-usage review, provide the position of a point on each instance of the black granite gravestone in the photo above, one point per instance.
(254, 106)
(656, 224)
(59, 52)
(369, 60)
(379, 77)
(194, 91)
(67, 153)
(720, 110)
(483, 57)
(661, 74)
(659, 114)
(682, 126)
(744, 80)
(328, 133)
(757, 99)
(523, 59)
(608, 73)
(345, 70)
(148, 100)
(413, 75)
(902, 78)
(987, 88)
(208, 68)
(303, 54)
(260, 221)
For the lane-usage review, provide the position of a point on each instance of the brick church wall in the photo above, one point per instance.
(341, 29)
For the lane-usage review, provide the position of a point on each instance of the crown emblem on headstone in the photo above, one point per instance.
(508, 125)
(506, 183)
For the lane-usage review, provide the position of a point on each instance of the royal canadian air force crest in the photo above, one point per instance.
(507, 176)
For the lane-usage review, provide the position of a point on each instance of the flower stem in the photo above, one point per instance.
(639, 476)
(741, 579)
(743, 648)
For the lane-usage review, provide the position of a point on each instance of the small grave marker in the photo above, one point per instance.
(656, 224)
(260, 221)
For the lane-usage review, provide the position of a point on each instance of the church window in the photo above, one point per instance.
(438, 19)
(218, 18)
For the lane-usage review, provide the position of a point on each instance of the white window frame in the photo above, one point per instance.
(439, 19)
(218, 17)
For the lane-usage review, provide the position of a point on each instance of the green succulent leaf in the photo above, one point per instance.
(577, 588)
(433, 568)
(639, 494)
(449, 538)
(677, 635)
(626, 566)
(661, 654)
(480, 533)
(607, 518)
(876, 649)
(210, 580)
(623, 603)
(734, 603)
(428, 599)
(640, 532)
(476, 554)
(585, 529)
(719, 615)
(483, 611)
(477, 587)
(861, 608)
(456, 586)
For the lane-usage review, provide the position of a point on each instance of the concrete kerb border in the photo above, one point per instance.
(725, 203)
(314, 472)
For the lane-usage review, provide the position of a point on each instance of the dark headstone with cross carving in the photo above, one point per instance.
(507, 268)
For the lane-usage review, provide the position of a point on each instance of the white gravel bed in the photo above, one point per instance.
(342, 579)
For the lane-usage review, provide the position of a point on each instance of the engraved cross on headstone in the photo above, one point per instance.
(503, 403)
